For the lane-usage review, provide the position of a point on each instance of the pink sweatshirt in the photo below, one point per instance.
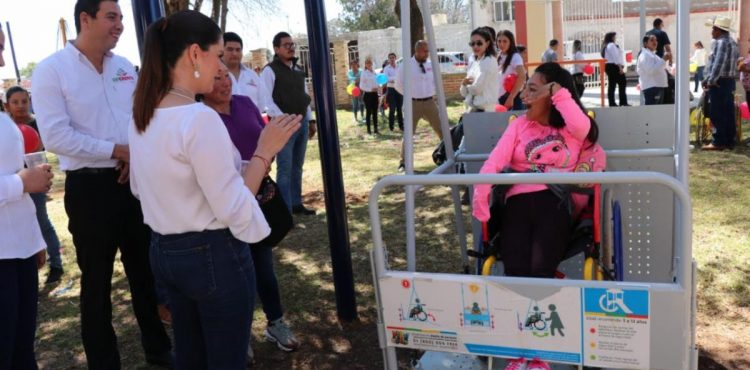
(527, 146)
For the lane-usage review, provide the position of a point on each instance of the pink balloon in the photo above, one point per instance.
(500, 108)
(745, 111)
(356, 92)
(588, 69)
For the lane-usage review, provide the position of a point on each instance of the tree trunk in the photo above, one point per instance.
(215, 10)
(417, 24)
(197, 5)
(172, 6)
(224, 11)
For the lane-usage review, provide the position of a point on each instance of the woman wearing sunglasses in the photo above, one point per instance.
(482, 81)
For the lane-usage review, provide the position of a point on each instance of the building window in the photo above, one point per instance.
(505, 10)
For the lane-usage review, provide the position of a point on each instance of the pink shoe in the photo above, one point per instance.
(537, 364)
(517, 364)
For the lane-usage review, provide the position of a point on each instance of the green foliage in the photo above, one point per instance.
(27, 71)
(359, 15)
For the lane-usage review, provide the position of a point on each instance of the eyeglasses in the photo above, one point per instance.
(289, 45)
(476, 43)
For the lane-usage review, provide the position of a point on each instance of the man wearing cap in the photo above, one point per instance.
(720, 83)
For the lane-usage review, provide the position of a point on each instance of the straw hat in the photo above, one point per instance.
(722, 23)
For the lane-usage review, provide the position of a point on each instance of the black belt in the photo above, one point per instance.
(92, 170)
(422, 99)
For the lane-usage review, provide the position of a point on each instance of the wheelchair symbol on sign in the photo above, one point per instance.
(612, 300)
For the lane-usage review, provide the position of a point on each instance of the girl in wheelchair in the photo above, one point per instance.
(554, 135)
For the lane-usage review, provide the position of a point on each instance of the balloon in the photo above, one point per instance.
(745, 111)
(629, 57)
(350, 88)
(265, 118)
(510, 81)
(31, 139)
(588, 70)
(500, 108)
(693, 67)
(638, 87)
(381, 79)
(356, 92)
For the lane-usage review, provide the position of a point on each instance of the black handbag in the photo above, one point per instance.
(276, 212)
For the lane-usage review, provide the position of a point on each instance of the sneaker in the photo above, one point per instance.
(250, 355)
(537, 364)
(517, 364)
(278, 332)
(55, 273)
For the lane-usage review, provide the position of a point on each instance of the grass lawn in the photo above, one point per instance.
(721, 199)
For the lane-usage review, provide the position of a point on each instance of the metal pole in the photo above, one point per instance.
(682, 85)
(472, 20)
(145, 12)
(333, 182)
(13, 53)
(642, 28)
(408, 138)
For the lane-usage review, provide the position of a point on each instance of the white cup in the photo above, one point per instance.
(34, 159)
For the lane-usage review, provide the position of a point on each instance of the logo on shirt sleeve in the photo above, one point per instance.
(122, 75)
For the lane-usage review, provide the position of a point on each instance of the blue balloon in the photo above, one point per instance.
(381, 79)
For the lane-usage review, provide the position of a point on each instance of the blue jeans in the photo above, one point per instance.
(267, 286)
(698, 77)
(19, 290)
(289, 163)
(653, 95)
(210, 281)
(48, 230)
(358, 105)
(722, 112)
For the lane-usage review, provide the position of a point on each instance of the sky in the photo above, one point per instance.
(34, 26)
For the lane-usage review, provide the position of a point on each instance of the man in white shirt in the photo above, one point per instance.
(422, 87)
(83, 102)
(394, 98)
(23, 248)
(244, 80)
(286, 81)
(550, 55)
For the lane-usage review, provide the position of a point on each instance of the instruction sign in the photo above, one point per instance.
(616, 328)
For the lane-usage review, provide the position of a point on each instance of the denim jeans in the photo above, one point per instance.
(722, 112)
(358, 105)
(19, 286)
(395, 101)
(289, 163)
(698, 77)
(267, 286)
(653, 95)
(48, 230)
(210, 281)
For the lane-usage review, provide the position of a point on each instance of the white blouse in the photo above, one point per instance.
(613, 54)
(185, 170)
(514, 62)
(367, 81)
(651, 70)
(482, 93)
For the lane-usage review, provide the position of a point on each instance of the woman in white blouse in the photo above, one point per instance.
(652, 74)
(482, 81)
(578, 68)
(699, 58)
(22, 251)
(510, 63)
(203, 212)
(615, 69)
(369, 87)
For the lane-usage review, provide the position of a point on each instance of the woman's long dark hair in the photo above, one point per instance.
(577, 46)
(553, 72)
(166, 40)
(608, 37)
(482, 32)
(511, 48)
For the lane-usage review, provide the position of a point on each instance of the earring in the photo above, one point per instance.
(196, 73)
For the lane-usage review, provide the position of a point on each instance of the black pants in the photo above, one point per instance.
(104, 216)
(395, 101)
(579, 84)
(371, 110)
(534, 234)
(698, 77)
(19, 284)
(615, 79)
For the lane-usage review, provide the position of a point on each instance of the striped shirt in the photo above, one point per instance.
(721, 63)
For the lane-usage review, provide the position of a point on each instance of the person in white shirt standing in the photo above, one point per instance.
(394, 98)
(370, 89)
(578, 68)
(202, 210)
(482, 81)
(615, 69)
(83, 102)
(699, 58)
(422, 87)
(23, 247)
(651, 70)
(244, 80)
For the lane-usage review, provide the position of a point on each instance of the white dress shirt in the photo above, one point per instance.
(392, 74)
(81, 113)
(250, 84)
(185, 170)
(269, 78)
(482, 93)
(651, 70)
(367, 81)
(613, 54)
(20, 236)
(515, 61)
(422, 82)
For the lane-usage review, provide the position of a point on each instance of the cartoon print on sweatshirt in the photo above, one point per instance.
(549, 151)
